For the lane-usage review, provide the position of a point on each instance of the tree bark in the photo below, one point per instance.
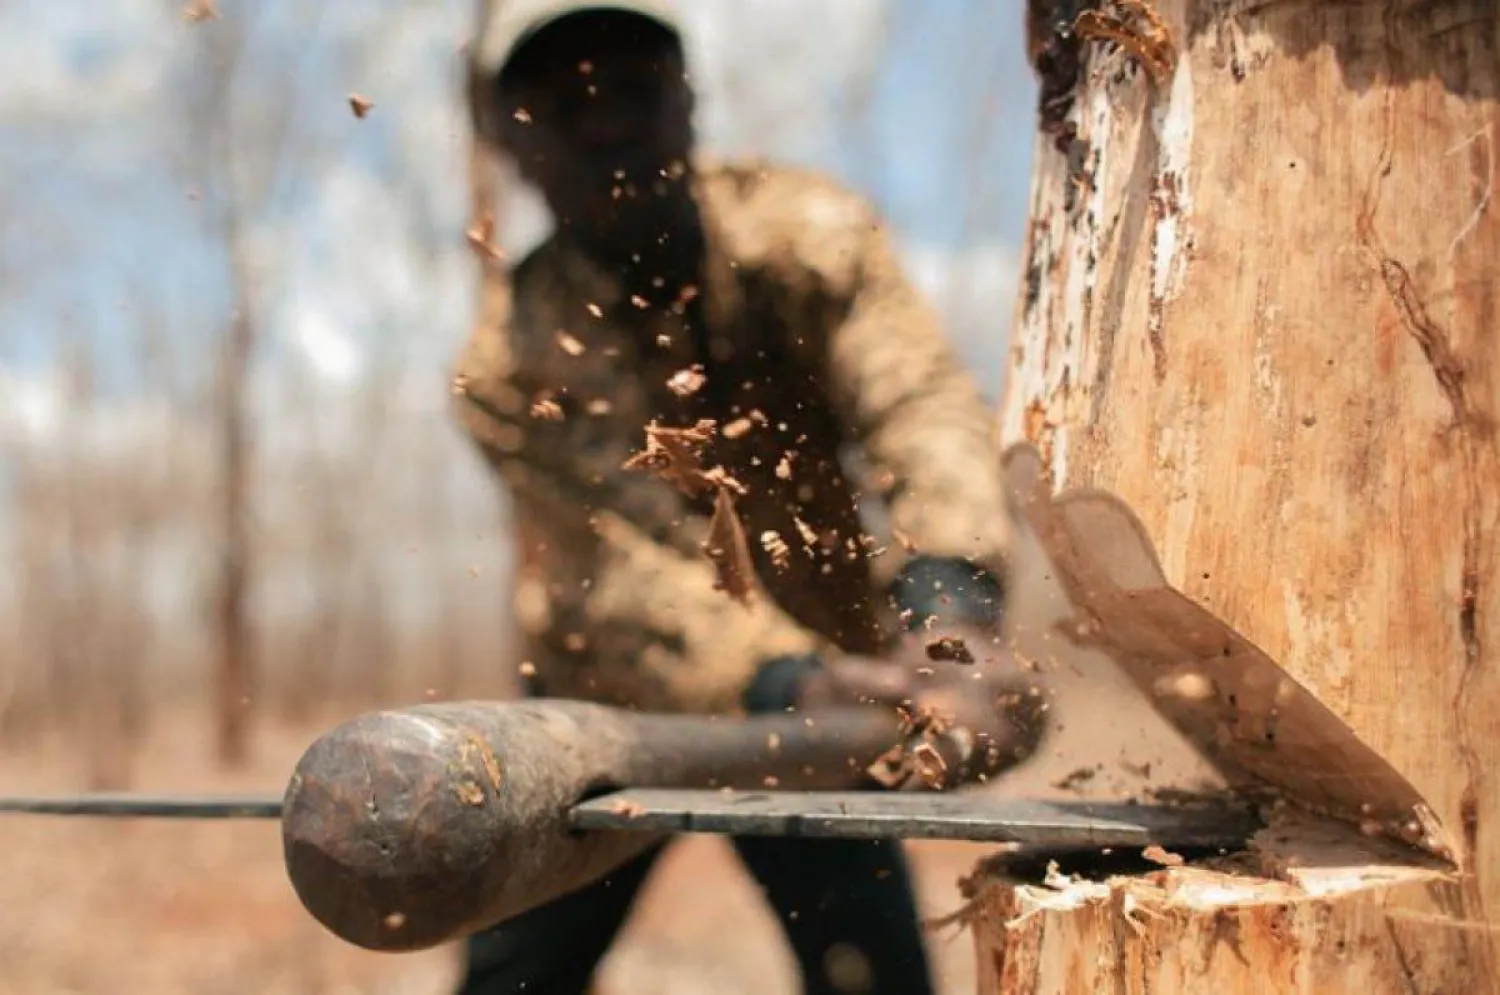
(1260, 306)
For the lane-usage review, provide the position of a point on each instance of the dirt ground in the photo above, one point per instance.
(201, 908)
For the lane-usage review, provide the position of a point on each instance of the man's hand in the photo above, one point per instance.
(959, 673)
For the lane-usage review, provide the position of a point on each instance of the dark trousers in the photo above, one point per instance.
(846, 906)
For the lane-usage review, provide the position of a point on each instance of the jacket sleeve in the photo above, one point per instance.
(650, 600)
(910, 402)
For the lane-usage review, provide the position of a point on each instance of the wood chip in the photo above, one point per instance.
(676, 456)
(686, 383)
(481, 235)
(949, 649)
(568, 344)
(808, 534)
(546, 409)
(1078, 776)
(1165, 858)
(360, 105)
(737, 428)
(728, 549)
(776, 547)
(784, 466)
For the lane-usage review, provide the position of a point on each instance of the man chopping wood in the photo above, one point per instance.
(667, 388)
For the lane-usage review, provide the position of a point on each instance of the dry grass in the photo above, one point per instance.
(118, 907)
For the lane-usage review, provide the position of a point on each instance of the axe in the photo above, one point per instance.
(408, 828)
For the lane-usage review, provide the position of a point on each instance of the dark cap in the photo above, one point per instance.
(504, 25)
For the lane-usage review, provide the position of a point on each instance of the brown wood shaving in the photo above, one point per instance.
(675, 455)
(481, 238)
(1137, 28)
(728, 549)
(950, 649)
(686, 383)
(784, 467)
(916, 756)
(1165, 858)
(361, 106)
(546, 409)
(737, 428)
(1071, 780)
(809, 536)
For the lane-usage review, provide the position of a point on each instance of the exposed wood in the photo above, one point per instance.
(1351, 918)
(1260, 307)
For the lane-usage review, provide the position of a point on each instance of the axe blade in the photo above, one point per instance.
(920, 815)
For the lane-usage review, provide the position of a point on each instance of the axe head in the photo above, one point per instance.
(1156, 696)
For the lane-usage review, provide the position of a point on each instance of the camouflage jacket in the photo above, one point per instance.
(809, 343)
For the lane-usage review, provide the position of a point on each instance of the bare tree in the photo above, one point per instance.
(239, 166)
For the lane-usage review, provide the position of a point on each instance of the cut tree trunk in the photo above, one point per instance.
(1261, 306)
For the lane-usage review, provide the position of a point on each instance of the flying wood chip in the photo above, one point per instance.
(728, 550)
(675, 455)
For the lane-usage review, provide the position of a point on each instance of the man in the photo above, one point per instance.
(767, 304)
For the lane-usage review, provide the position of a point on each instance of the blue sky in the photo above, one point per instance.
(101, 238)
(361, 263)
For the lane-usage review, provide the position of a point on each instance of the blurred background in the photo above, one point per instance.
(233, 505)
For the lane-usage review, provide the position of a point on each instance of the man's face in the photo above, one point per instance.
(598, 115)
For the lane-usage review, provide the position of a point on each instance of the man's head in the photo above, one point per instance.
(591, 101)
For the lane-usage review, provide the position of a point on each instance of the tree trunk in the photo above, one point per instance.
(235, 670)
(1260, 306)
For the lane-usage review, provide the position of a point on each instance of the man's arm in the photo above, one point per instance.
(906, 395)
(652, 596)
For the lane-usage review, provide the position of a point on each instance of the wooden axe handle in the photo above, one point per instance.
(410, 828)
